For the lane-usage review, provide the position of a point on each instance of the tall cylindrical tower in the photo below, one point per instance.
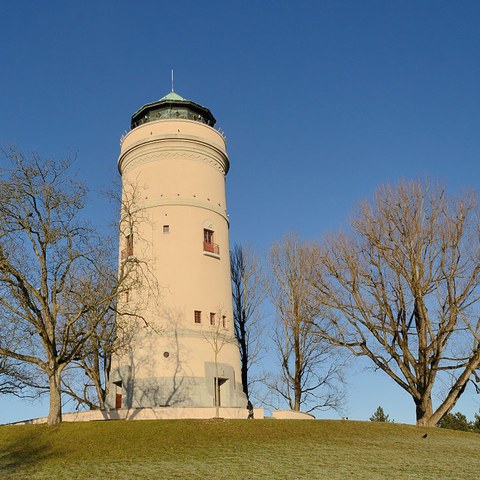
(177, 163)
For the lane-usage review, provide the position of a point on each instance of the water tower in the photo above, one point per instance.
(188, 357)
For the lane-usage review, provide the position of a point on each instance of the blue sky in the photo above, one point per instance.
(321, 101)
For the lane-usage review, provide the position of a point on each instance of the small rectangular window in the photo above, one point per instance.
(166, 229)
(197, 316)
(224, 321)
(212, 318)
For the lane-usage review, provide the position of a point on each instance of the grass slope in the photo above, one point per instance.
(236, 449)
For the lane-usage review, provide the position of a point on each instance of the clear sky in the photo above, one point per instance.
(321, 101)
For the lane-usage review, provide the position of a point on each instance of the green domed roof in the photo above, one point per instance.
(172, 106)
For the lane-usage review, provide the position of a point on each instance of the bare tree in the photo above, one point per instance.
(112, 331)
(248, 289)
(217, 336)
(403, 291)
(311, 372)
(49, 259)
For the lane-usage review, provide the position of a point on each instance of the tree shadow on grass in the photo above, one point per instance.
(24, 451)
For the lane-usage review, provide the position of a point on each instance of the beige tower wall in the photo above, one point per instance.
(178, 169)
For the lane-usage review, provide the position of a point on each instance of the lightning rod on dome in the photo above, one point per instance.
(172, 81)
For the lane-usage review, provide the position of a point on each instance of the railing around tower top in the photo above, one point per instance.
(211, 248)
(201, 120)
(124, 134)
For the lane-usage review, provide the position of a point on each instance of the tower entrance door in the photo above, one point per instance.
(219, 388)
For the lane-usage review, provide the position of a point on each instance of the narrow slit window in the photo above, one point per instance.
(128, 250)
(224, 321)
(130, 245)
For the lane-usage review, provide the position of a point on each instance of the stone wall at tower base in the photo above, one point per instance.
(159, 413)
(291, 415)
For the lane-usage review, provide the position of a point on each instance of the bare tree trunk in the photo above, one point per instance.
(55, 411)
(217, 388)
(424, 411)
(242, 343)
(297, 381)
(101, 395)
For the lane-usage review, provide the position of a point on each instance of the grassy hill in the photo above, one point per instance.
(236, 449)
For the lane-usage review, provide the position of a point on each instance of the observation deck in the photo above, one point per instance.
(172, 106)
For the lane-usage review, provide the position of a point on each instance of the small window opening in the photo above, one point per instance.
(128, 250)
(197, 315)
(166, 229)
(208, 235)
(224, 321)
(130, 244)
(212, 318)
(209, 244)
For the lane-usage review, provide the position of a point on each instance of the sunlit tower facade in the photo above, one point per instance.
(177, 163)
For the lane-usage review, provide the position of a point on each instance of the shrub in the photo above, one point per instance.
(456, 421)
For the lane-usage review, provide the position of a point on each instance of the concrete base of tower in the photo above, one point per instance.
(158, 413)
(217, 387)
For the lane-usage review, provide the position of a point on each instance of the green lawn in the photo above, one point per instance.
(236, 449)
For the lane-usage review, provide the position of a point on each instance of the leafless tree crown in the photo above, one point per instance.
(57, 282)
(311, 372)
(403, 288)
(249, 291)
